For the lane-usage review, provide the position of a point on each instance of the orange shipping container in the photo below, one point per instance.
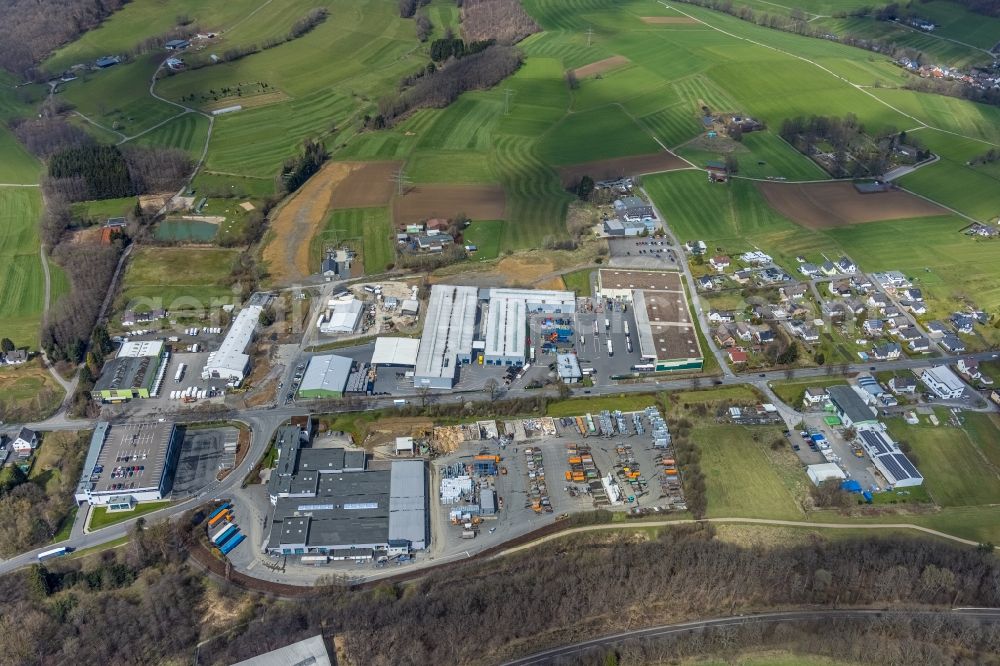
(569, 475)
(575, 460)
(671, 472)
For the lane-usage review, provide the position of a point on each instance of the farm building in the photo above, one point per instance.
(230, 361)
(129, 463)
(717, 172)
(311, 651)
(942, 382)
(177, 44)
(446, 342)
(132, 373)
(326, 376)
(568, 366)
(667, 335)
(850, 406)
(328, 500)
(107, 61)
(824, 472)
(397, 352)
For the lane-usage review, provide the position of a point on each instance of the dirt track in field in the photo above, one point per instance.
(600, 66)
(337, 185)
(838, 204)
(620, 167)
(477, 202)
(667, 20)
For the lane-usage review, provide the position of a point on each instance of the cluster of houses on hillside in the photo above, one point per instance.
(428, 237)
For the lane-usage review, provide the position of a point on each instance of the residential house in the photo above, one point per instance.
(969, 367)
(963, 323)
(809, 334)
(877, 300)
(25, 442)
(719, 262)
(887, 352)
(891, 311)
(717, 172)
(828, 269)
(696, 247)
(873, 326)
(793, 292)
(744, 332)
(845, 265)
(891, 280)
(908, 333)
(779, 312)
(839, 288)
(953, 343)
(918, 307)
(815, 396)
(705, 282)
(433, 242)
(329, 268)
(936, 329)
(16, 357)
(720, 316)
(737, 357)
(743, 275)
(913, 294)
(763, 335)
(920, 344)
(723, 337)
(861, 282)
(942, 382)
(809, 270)
(901, 385)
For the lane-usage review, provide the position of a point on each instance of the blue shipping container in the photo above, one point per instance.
(218, 511)
(228, 537)
(232, 544)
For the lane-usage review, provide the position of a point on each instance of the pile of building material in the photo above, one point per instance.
(538, 495)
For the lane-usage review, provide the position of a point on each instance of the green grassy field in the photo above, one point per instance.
(101, 517)
(99, 211)
(486, 236)
(760, 155)
(627, 402)
(793, 391)
(956, 470)
(178, 278)
(22, 282)
(579, 281)
(28, 392)
(187, 132)
(368, 230)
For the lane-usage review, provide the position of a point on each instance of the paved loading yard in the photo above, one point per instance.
(201, 453)
(536, 477)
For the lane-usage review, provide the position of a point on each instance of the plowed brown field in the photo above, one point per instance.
(477, 202)
(667, 20)
(837, 204)
(337, 185)
(600, 66)
(621, 166)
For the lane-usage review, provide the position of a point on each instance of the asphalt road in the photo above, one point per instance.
(546, 656)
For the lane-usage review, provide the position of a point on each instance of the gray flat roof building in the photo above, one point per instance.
(449, 329)
(129, 460)
(310, 652)
(326, 376)
(850, 406)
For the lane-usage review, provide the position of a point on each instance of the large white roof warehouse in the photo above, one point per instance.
(449, 328)
(396, 351)
(230, 362)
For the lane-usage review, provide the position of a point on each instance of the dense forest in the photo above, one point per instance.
(437, 88)
(97, 171)
(484, 612)
(31, 29)
(504, 21)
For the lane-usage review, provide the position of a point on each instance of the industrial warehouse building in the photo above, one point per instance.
(851, 406)
(668, 339)
(395, 352)
(449, 329)
(328, 502)
(341, 317)
(132, 373)
(326, 376)
(454, 329)
(230, 362)
(129, 463)
(898, 470)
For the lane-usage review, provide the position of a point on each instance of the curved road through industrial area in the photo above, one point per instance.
(985, 615)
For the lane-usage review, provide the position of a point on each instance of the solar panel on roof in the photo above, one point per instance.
(875, 441)
(892, 466)
(905, 463)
